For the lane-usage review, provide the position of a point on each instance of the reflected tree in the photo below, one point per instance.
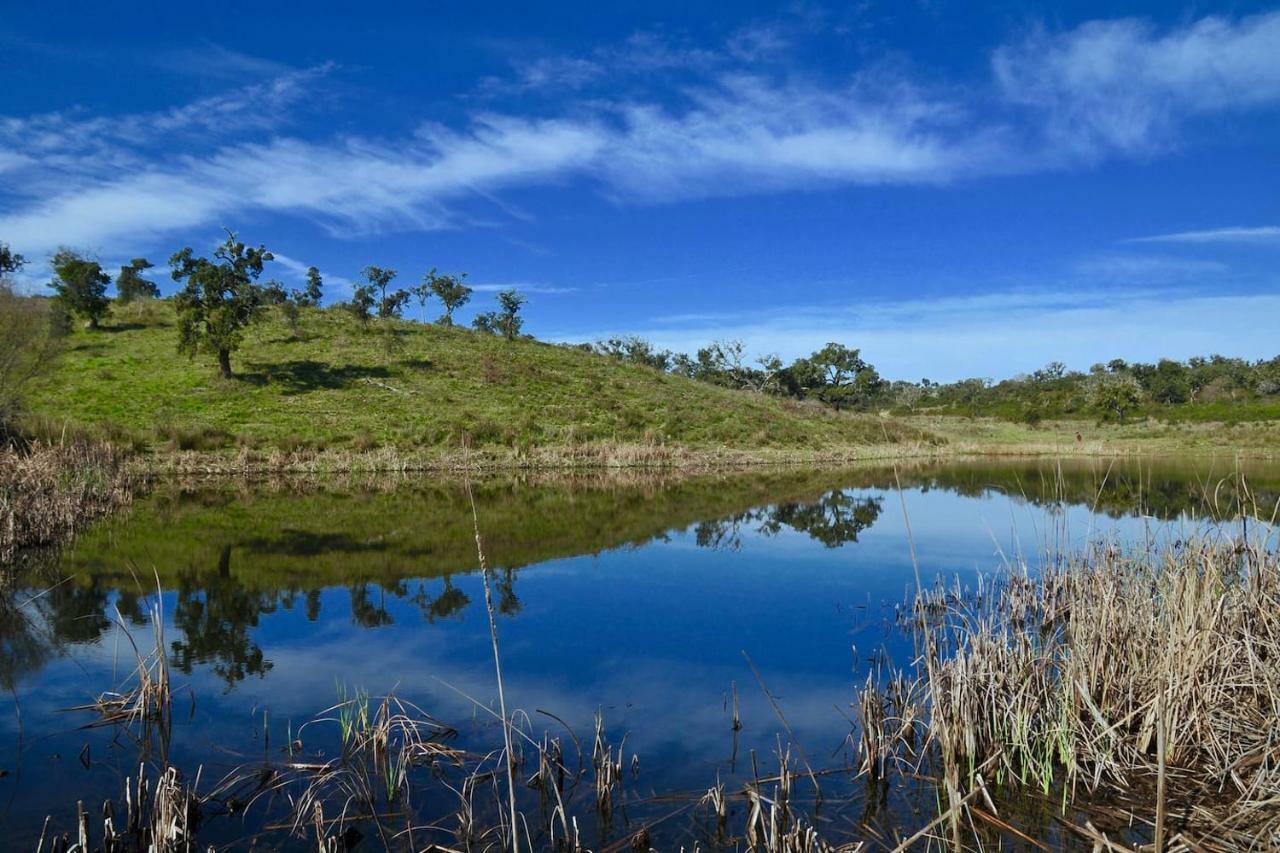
(835, 519)
(451, 600)
(24, 645)
(508, 603)
(215, 615)
(365, 612)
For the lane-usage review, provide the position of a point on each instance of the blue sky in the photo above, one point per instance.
(959, 192)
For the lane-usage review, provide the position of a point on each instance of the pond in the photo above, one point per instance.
(660, 604)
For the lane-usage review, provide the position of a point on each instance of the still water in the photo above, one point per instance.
(645, 599)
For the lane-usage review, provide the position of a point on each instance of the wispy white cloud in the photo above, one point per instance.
(1262, 234)
(350, 185)
(1123, 85)
(523, 287)
(297, 271)
(1104, 88)
(1148, 269)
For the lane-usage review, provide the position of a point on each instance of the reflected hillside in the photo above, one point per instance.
(1163, 489)
(230, 554)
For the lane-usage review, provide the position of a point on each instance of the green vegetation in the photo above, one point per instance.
(81, 286)
(220, 298)
(334, 383)
(1201, 389)
(318, 379)
(130, 284)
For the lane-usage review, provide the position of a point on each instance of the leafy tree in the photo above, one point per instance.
(451, 291)
(634, 349)
(81, 285)
(843, 375)
(309, 297)
(220, 299)
(1167, 383)
(10, 261)
(970, 392)
(1052, 371)
(362, 302)
(378, 280)
(1115, 394)
(130, 284)
(506, 321)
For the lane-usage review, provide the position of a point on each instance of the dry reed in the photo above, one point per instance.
(48, 492)
(1146, 685)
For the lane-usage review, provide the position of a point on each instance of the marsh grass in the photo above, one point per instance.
(144, 705)
(1140, 685)
(49, 492)
(160, 820)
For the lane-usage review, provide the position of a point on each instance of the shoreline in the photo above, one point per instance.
(676, 459)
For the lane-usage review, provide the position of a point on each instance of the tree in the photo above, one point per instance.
(130, 284)
(388, 304)
(451, 291)
(506, 321)
(220, 298)
(1052, 371)
(970, 391)
(309, 297)
(10, 261)
(362, 302)
(634, 349)
(1115, 393)
(908, 395)
(81, 285)
(844, 376)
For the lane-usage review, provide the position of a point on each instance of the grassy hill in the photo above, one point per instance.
(333, 383)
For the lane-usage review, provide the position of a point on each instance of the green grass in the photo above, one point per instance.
(337, 384)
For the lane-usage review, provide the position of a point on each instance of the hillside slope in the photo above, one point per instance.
(337, 384)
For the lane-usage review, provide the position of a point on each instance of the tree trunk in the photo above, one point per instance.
(224, 363)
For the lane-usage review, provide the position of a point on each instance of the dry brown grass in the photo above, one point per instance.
(1146, 686)
(48, 492)
(161, 821)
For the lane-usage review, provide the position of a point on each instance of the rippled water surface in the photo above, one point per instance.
(646, 599)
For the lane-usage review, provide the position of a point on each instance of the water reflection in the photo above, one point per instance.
(230, 557)
(834, 519)
(638, 594)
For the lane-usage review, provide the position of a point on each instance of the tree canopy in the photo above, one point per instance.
(506, 321)
(219, 299)
(81, 285)
(452, 292)
(130, 284)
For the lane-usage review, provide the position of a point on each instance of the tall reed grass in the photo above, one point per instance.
(48, 492)
(1136, 687)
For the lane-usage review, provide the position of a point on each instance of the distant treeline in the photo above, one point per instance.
(1203, 386)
